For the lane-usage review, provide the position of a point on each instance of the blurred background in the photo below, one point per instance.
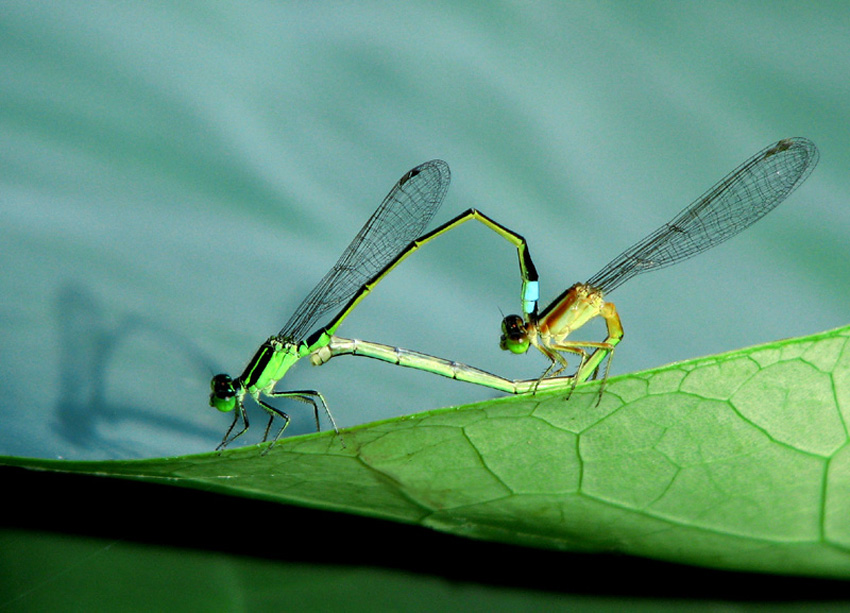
(175, 178)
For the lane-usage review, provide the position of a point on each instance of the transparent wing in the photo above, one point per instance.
(401, 218)
(746, 195)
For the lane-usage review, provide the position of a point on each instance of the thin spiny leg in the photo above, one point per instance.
(240, 412)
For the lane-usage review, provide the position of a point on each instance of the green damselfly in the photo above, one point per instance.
(386, 240)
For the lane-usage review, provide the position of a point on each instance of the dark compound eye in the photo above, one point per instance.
(222, 387)
(513, 328)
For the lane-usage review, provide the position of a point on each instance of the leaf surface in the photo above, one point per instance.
(737, 461)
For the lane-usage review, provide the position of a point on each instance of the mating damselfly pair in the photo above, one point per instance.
(394, 232)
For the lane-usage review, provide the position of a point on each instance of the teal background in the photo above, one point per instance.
(175, 177)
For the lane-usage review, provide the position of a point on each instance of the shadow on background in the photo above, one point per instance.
(89, 339)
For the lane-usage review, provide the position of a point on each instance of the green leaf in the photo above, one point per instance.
(737, 461)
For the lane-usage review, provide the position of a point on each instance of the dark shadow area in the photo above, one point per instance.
(189, 519)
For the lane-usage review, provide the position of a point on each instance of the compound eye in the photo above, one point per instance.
(513, 328)
(221, 387)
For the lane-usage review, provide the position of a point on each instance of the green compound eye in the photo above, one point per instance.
(514, 346)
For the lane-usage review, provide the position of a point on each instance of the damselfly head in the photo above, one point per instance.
(223, 393)
(514, 335)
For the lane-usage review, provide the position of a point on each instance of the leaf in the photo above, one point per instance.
(737, 461)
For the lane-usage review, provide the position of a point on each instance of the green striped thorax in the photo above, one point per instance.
(268, 366)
